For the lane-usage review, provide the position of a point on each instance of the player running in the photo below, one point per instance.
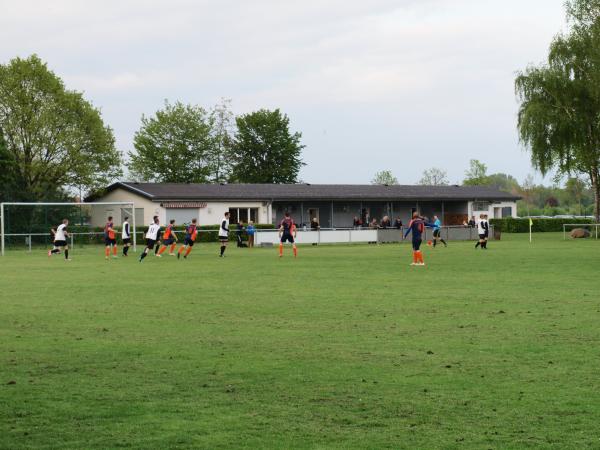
(287, 233)
(224, 234)
(110, 238)
(483, 229)
(169, 239)
(60, 239)
(437, 231)
(191, 232)
(417, 227)
(126, 236)
(151, 237)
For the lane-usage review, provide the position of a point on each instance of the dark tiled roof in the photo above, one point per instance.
(265, 192)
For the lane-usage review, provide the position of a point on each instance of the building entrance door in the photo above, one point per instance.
(313, 213)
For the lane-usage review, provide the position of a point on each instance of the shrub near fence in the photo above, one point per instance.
(511, 225)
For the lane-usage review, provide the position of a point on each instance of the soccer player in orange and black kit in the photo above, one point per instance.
(287, 233)
(169, 239)
(417, 227)
(191, 232)
(110, 238)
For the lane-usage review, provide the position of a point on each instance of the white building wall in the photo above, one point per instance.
(493, 209)
(101, 212)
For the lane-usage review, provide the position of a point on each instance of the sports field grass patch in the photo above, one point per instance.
(344, 347)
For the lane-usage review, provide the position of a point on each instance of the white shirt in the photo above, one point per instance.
(125, 232)
(153, 231)
(224, 228)
(482, 226)
(60, 233)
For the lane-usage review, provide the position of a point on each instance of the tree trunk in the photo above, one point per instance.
(596, 189)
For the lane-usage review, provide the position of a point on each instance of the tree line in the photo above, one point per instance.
(54, 143)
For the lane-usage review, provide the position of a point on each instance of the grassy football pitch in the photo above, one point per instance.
(344, 347)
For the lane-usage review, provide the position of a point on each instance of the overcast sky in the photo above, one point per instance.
(379, 84)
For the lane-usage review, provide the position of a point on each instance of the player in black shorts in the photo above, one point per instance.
(287, 233)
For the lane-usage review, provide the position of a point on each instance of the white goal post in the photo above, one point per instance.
(129, 205)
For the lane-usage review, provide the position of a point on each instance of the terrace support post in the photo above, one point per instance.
(331, 221)
(133, 225)
(302, 213)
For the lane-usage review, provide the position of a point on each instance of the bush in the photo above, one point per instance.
(511, 225)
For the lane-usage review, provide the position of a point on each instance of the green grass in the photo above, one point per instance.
(345, 347)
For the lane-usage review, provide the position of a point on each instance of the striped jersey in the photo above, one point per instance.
(152, 232)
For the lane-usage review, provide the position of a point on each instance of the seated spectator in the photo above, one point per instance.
(373, 223)
(398, 223)
(472, 223)
(250, 232)
(357, 222)
(385, 222)
(314, 224)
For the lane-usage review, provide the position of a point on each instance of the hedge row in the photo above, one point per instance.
(511, 225)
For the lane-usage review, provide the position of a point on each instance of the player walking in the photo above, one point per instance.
(126, 236)
(169, 239)
(483, 229)
(224, 233)
(437, 231)
(60, 239)
(417, 227)
(151, 237)
(191, 232)
(287, 233)
(110, 238)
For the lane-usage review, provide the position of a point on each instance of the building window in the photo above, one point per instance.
(481, 206)
(243, 214)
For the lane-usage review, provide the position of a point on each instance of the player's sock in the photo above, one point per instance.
(420, 255)
(444, 242)
(162, 249)
(172, 249)
(478, 244)
(106, 251)
(55, 250)
(223, 247)
(434, 242)
(295, 250)
(66, 254)
(414, 257)
(187, 252)
(280, 249)
(144, 254)
(156, 249)
(115, 250)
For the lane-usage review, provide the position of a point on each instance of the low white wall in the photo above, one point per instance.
(322, 237)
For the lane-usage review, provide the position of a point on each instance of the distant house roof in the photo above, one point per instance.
(280, 192)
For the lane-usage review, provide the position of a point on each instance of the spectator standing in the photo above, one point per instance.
(398, 223)
(239, 232)
(250, 230)
(385, 222)
(314, 224)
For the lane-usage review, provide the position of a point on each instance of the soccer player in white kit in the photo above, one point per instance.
(151, 237)
(224, 234)
(126, 236)
(60, 239)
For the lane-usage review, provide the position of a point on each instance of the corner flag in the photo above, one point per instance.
(530, 225)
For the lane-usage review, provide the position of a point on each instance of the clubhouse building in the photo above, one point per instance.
(334, 205)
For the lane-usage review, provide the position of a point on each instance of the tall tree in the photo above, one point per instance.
(559, 115)
(174, 146)
(264, 150)
(503, 182)
(8, 172)
(384, 177)
(54, 137)
(223, 124)
(434, 177)
(476, 175)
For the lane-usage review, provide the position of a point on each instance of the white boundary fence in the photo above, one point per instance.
(351, 235)
(131, 205)
(581, 225)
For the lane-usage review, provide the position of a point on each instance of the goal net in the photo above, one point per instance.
(26, 226)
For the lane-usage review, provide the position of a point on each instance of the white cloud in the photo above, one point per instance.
(383, 76)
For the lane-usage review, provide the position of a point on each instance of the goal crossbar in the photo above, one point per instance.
(131, 205)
